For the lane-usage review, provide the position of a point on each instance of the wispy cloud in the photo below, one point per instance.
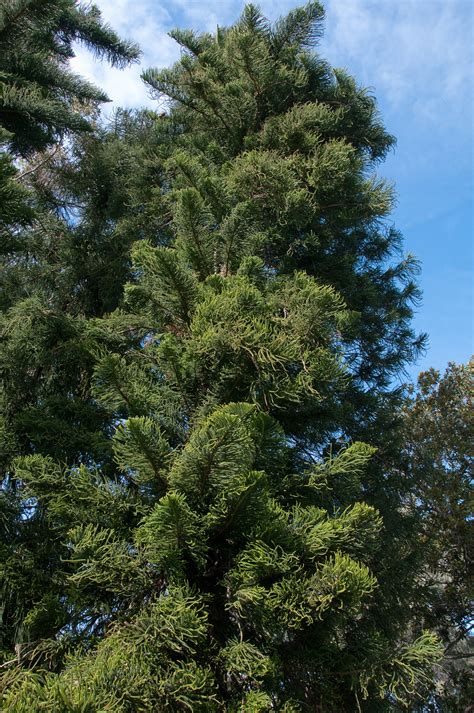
(145, 22)
(148, 22)
(417, 53)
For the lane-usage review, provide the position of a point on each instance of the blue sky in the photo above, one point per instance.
(418, 58)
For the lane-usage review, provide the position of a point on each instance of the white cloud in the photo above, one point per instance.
(145, 22)
(418, 54)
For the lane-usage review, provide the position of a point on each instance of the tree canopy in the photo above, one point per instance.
(214, 498)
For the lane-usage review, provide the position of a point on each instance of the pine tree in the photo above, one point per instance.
(44, 367)
(224, 539)
(40, 97)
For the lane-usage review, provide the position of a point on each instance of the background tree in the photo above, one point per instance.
(437, 438)
(44, 370)
(41, 98)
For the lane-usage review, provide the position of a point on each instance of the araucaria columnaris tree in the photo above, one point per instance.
(220, 529)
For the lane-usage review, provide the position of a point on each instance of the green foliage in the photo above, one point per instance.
(200, 321)
(39, 95)
(165, 281)
(280, 151)
(148, 663)
(268, 572)
(341, 473)
(15, 209)
(102, 565)
(171, 535)
(141, 450)
(437, 435)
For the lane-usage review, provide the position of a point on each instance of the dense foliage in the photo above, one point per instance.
(213, 498)
(438, 431)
